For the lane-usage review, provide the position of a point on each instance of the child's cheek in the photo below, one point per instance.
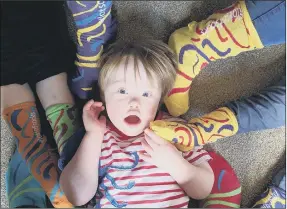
(111, 108)
(152, 110)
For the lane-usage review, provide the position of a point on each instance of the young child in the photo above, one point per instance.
(247, 117)
(125, 163)
(243, 26)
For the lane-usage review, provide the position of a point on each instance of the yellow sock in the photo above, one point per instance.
(224, 34)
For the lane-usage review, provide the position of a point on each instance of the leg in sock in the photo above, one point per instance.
(244, 26)
(60, 108)
(224, 34)
(226, 191)
(265, 110)
(21, 114)
(95, 28)
(42, 162)
(63, 120)
(22, 187)
(275, 195)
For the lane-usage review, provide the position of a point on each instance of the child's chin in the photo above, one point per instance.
(133, 132)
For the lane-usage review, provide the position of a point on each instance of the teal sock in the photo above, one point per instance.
(22, 188)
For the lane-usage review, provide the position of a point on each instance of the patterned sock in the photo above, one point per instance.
(64, 121)
(22, 188)
(226, 191)
(275, 195)
(95, 28)
(226, 33)
(42, 162)
(209, 128)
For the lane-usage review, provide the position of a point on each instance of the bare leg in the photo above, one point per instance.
(59, 105)
(54, 90)
(15, 94)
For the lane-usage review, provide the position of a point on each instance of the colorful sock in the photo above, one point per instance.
(22, 188)
(95, 27)
(275, 195)
(226, 191)
(64, 120)
(218, 124)
(226, 33)
(42, 162)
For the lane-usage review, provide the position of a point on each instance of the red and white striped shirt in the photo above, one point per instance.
(126, 180)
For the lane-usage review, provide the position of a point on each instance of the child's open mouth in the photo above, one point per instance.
(132, 120)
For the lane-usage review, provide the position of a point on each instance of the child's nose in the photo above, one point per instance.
(134, 104)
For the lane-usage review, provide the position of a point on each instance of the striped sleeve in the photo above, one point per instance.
(197, 156)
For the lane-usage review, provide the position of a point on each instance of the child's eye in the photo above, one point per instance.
(147, 94)
(122, 91)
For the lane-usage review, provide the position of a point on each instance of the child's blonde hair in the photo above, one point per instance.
(157, 58)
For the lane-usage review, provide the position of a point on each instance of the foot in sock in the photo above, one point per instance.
(226, 190)
(224, 34)
(22, 188)
(42, 162)
(275, 194)
(64, 120)
(218, 124)
(95, 28)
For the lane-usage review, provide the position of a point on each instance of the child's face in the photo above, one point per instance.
(132, 100)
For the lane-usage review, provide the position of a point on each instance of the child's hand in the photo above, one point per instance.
(92, 122)
(162, 153)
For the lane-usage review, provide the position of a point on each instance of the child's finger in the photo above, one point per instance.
(158, 140)
(151, 142)
(97, 111)
(88, 105)
(91, 113)
(145, 157)
(146, 147)
(97, 104)
(103, 119)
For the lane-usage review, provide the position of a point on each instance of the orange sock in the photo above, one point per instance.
(23, 120)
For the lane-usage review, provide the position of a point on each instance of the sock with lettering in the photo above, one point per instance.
(95, 28)
(42, 161)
